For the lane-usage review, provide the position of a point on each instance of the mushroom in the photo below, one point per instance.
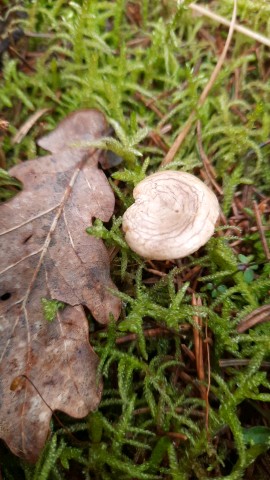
(174, 214)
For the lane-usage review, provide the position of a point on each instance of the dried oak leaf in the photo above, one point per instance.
(46, 253)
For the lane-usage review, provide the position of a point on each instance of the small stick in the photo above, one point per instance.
(210, 171)
(149, 104)
(143, 410)
(156, 272)
(239, 28)
(188, 352)
(150, 332)
(198, 347)
(260, 315)
(208, 380)
(175, 435)
(30, 122)
(13, 50)
(261, 230)
(182, 135)
(157, 140)
(236, 362)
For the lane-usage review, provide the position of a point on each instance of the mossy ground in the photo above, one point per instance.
(144, 64)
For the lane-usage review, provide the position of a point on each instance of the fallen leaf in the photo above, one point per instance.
(46, 254)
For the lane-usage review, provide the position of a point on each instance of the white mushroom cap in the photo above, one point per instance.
(174, 214)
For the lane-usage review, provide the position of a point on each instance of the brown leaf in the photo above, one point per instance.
(46, 253)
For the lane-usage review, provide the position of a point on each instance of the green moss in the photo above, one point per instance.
(50, 308)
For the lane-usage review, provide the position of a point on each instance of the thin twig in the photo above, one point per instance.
(158, 273)
(239, 28)
(39, 35)
(208, 380)
(149, 104)
(261, 230)
(198, 347)
(27, 64)
(143, 410)
(30, 122)
(150, 332)
(188, 352)
(239, 362)
(175, 435)
(260, 315)
(182, 135)
(210, 171)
